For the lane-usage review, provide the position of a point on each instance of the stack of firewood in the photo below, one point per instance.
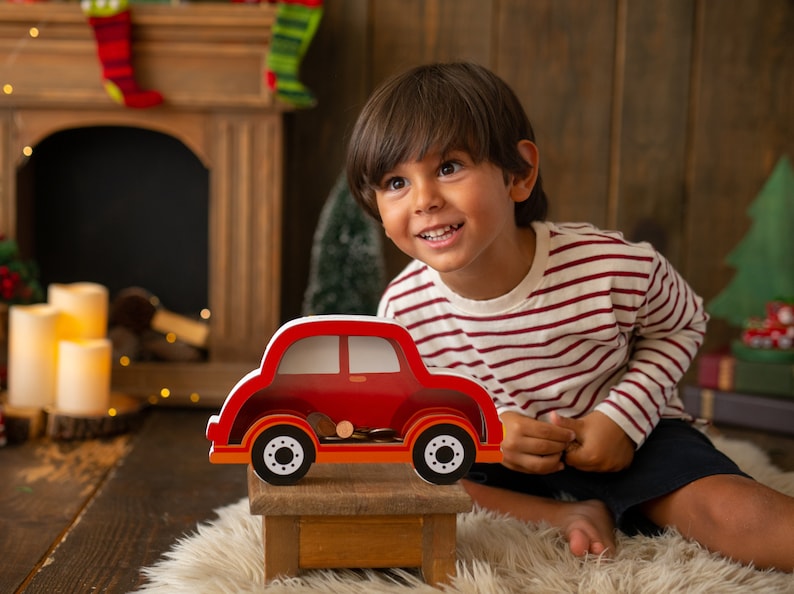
(143, 330)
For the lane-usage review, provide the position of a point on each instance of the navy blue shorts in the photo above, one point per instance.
(674, 455)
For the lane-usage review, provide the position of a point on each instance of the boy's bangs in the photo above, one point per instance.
(419, 125)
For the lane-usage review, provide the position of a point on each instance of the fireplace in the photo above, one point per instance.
(208, 62)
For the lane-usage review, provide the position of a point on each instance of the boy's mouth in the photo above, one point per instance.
(440, 233)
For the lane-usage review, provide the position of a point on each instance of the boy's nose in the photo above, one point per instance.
(427, 199)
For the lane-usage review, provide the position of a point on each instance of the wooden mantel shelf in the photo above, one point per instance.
(208, 61)
(196, 55)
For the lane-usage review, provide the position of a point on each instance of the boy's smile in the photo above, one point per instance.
(458, 217)
(440, 234)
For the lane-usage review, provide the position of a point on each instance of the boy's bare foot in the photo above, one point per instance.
(588, 528)
(587, 525)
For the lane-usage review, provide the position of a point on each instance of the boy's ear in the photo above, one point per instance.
(522, 184)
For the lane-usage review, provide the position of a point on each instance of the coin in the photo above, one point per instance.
(344, 429)
(382, 434)
(322, 424)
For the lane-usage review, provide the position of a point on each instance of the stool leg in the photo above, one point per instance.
(438, 548)
(281, 537)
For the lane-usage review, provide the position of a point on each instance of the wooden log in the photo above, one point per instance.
(125, 414)
(193, 332)
(22, 423)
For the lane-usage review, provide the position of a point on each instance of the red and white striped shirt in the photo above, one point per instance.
(598, 323)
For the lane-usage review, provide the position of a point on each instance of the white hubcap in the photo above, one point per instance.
(283, 455)
(444, 454)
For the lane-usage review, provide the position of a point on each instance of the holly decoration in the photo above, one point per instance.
(19, 283)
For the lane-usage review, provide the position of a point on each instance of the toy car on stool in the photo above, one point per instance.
(344, 389)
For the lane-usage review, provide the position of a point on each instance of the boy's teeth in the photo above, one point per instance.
(438, 233)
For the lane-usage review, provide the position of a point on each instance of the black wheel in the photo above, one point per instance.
(443, 454)
(282, 455)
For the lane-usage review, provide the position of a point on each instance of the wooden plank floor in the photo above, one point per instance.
(86, 516)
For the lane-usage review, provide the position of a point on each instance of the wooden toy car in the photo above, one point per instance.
(353, 389)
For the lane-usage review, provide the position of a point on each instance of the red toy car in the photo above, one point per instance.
(353, 389)
(776, 331)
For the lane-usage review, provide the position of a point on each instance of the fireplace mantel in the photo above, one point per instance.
(208, 61)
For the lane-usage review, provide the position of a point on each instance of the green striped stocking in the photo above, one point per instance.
(295, 26)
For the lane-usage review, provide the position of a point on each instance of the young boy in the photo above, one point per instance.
(579, 335)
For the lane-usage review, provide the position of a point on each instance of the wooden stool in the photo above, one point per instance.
(358, 515)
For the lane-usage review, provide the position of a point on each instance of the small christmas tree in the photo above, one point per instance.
(764, 259)
(347, 268)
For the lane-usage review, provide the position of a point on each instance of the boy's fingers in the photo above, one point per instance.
(574, 425)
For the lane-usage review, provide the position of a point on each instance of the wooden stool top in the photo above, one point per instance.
(356, 489)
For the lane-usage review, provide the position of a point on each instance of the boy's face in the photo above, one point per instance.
(456, 216)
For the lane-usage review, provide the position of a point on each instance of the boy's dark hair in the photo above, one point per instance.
(444, 107)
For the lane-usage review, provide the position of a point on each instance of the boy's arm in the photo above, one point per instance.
(669, 330)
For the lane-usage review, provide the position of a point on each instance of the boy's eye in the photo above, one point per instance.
(394, 183)
(449, 167)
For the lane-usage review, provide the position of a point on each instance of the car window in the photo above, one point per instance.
(372, 354)
(314, 354)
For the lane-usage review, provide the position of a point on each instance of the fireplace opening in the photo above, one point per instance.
(121, 206)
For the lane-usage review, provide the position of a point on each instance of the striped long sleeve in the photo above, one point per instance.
(598, 323)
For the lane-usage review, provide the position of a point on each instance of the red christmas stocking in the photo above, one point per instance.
(114, 48)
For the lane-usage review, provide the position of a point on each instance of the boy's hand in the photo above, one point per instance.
(600, 445)
(533, 446)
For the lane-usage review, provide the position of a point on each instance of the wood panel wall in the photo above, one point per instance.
(662, 119)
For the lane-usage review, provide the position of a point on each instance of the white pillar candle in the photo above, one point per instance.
(32, 355)
(83, 383)
(84, 309)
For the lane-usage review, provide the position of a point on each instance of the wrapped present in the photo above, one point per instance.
(752, 411)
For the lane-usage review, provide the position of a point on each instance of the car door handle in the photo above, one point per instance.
(358, 379)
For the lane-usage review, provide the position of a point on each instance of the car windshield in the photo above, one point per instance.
(315, 354)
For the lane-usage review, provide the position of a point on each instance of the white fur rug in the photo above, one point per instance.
(496, 555)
